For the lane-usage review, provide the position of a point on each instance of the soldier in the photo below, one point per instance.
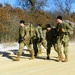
(33, 35)
(63, 38)
(44, 42)
(41, 40)
(35, 42)
(24, 40)
(51, 37)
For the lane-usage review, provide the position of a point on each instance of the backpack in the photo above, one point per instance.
(72, 24)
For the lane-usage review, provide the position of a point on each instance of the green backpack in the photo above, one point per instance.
(72, 24)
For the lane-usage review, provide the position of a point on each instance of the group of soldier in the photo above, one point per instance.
(56, 37)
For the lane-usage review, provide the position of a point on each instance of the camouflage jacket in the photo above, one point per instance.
(40, 31)
(23, 34)
(63, 28)
(33, 31)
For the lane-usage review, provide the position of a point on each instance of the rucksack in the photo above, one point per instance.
(72, 24)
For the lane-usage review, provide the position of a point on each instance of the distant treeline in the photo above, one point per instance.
(10, 17)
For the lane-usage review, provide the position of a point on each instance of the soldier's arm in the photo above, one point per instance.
(68, 26)
(26, 32)
(41, 33)
(38, 35)
(22, 32)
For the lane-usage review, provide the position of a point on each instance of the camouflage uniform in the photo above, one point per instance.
(33, 35)
(42, 39)
(24, 40)
(63, 39)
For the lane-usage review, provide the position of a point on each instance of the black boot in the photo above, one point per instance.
(48, 57)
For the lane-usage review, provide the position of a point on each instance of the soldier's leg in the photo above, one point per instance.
(30, 50)
(66, 44)
(44, 43)
(39, 48)
(55, 47)
(59, 45)
(66, 53)
(21, 47)
(48, 51)
(57, 50)
(35, 42)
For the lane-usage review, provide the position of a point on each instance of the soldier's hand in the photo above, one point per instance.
(39, 40)
(63, 30)
(22, 39)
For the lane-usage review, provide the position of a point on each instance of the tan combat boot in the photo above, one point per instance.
(62, 57)
(32, 55)
(17, 58)
(66, 59)
(39, 52)
(59, 57)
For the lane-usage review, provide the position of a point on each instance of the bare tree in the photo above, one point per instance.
(68, 7)
(31, 5)
(1, 5)
(64, 6)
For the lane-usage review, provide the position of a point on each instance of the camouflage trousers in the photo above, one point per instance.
(29, 47)
(62, 41)
(42, 43)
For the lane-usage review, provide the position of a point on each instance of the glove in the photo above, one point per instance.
(63, 30)
(22, 39)
(40, 40)
(31, 41)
